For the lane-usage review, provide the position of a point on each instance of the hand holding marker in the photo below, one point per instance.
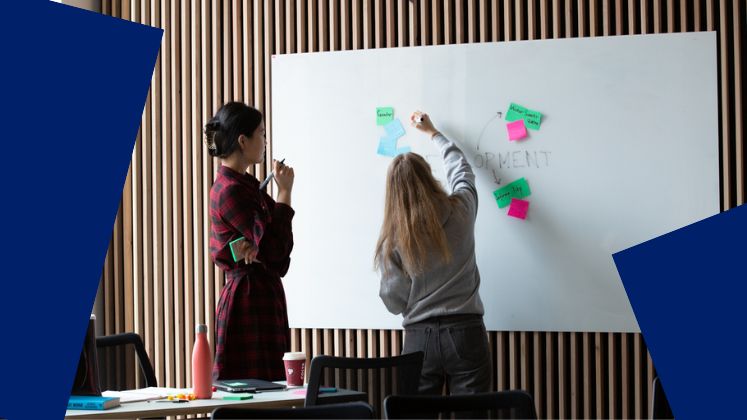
(269, 177)
(422, 122)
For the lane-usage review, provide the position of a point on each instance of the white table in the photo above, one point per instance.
(271, 399)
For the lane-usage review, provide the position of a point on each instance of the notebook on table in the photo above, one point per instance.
(247, 385)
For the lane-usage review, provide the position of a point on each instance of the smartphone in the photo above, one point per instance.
(234, 245)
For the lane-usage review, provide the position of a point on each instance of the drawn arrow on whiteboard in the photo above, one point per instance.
(498, 115)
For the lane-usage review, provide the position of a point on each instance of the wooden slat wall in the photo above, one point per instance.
(158, 279)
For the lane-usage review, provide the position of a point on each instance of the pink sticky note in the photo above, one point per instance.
(300, 392)
(516, 130)
(518, 208)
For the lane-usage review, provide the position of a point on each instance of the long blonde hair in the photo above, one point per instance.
(412, 222)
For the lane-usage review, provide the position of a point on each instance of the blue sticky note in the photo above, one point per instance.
(387, 146)
(394, 129)
(405, 149)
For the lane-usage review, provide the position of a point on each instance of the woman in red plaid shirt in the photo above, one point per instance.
(251, 317)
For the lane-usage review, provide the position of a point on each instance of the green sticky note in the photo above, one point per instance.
(532, 119)
(516, 189)
(238, 397)
(384, 115)
(515, 112)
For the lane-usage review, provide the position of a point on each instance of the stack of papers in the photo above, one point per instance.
(135, 395)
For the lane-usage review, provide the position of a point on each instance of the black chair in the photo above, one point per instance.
(349, 410)
(377, 377)
(115, 360)
(502, 404)
(660, 408)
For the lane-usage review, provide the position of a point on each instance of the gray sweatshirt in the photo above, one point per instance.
(444, 288)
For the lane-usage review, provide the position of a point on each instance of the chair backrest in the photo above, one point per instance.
(660, 408)
(116, 354)
(502, 404)
(349, 410)
(377, 377)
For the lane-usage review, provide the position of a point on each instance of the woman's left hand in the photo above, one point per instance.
(249, 252)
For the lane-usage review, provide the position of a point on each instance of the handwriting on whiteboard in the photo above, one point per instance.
(513, 159)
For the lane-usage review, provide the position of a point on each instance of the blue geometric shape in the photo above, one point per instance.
(74, 86)
(688, 290)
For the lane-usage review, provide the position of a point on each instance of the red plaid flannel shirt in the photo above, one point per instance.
(238, 208)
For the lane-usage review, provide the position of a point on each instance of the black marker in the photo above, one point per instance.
(269, 177)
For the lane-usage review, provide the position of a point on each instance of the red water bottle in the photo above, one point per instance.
(202, 365)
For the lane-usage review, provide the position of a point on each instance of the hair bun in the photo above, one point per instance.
(212, 126)
(211, 129)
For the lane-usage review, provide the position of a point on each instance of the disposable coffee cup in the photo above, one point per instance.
(295, 367)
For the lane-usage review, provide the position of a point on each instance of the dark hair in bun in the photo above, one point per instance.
(223, 130)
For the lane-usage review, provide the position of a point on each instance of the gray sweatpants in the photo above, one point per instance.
(456, 352)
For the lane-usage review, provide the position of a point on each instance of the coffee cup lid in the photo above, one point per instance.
(294, 355)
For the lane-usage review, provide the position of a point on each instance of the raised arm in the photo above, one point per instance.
(459, 173)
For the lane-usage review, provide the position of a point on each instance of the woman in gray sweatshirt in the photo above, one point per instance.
(426, 256)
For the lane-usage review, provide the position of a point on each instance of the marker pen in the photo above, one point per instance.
(269, 177)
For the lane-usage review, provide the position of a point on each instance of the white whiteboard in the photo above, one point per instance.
(627, 151)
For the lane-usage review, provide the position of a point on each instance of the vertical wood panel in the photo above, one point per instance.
(482, 15)
(632, 17)
(192, 137)
(537, 353)
(508, 21)
(368, 24)
(404, 23)
(532, 28)
(606, 16)
(390, 25)
(726, 147)
(472, 22)
(575, 356)
(740, 178)
(378, 19)
(582, 18)
(158, 203)
(412, 13)
(601, 390)
(670, 16)
(323, 32)
(495, 25)
(613, 391)
(625, 376)
(587, 376)
(638, 367)
(618, 18)
(176, 179)
(519, 19)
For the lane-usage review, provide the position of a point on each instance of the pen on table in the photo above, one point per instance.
(269, 177)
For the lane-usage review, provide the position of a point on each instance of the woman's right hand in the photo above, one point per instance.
(284, 176)
(425, 124)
